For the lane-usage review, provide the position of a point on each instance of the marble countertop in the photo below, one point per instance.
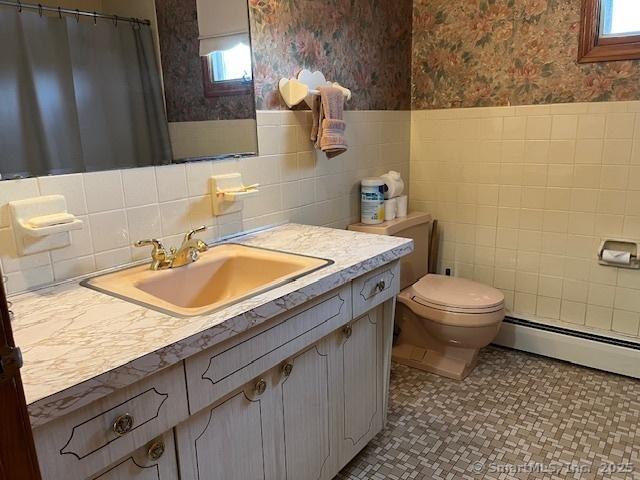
(80, 345)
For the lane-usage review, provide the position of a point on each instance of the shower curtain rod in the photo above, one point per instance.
(76, 13)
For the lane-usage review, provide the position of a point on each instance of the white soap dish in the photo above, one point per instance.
(42, 223)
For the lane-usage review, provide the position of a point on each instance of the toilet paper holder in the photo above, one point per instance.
(619, 245)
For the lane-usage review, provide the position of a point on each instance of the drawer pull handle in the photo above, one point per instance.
(287, 368)
(156, 450)
(123, 424)
(381, 285)
(347, 330)
(261, 386)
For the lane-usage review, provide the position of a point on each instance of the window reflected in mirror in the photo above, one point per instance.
(231, 64)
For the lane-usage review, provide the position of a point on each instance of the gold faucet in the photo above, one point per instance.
(188, 252)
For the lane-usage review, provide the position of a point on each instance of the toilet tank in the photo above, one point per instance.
(416, 226)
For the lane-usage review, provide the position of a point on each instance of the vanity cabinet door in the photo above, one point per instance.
(360, 356)
(307, 424)
(232, 439)
(155, 461)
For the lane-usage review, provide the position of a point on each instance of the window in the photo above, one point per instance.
(228, 72)
(620, 18)
(610, 30)
(232, 64)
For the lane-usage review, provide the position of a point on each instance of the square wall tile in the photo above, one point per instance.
(591, 126)
(589, 152)
(71, 186)
(171, 182)
(103, 191)
(75, 267)
(140, 186)
(144, 223)
(116, 258)
(626, 322)
(620, 125)
(564, 126)
(109, 230)
(538, 127)
(599, 317)
(174, 217)
(548, 308)
(617, 152)
(573, 312)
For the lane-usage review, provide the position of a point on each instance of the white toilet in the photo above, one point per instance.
(443, 321)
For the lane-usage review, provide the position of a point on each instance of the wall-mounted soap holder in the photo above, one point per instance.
(42, 223)
(228, 191)
(619, 253)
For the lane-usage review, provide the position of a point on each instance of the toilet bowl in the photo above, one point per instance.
(443, 321)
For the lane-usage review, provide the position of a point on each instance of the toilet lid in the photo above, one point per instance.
(460, 294)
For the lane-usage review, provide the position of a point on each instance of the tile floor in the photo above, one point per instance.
(517, 416)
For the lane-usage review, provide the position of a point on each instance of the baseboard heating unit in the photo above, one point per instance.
(583, 348)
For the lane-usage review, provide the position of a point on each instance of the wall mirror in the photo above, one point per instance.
(90, 85)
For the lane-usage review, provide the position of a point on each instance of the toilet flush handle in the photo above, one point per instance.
(381, 285)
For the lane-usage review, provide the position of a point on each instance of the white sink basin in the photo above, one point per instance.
(223, 275)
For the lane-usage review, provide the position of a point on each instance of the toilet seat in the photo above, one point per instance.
(455, 294)
(454, 301)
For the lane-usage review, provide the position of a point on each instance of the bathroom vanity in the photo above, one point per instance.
(287, 384)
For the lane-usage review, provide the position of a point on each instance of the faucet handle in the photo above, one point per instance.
(191, 233)
(156, 244)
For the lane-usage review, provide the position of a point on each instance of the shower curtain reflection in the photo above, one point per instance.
(77, 96)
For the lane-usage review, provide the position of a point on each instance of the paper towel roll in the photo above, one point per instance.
(616, 257)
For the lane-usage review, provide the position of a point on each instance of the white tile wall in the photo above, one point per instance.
(122, 206)
(524, 196)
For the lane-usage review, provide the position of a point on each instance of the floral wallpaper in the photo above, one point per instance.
(182, 69)
(364, 45)
(470, 53)
(462, 53)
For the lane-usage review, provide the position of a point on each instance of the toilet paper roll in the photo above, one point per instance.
(394, 185)
(390, 209)
(402, 206)
(617, 257)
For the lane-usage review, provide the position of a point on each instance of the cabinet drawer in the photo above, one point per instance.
(156, 460)
(220, 370)
(84, 442)
(375, 287)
